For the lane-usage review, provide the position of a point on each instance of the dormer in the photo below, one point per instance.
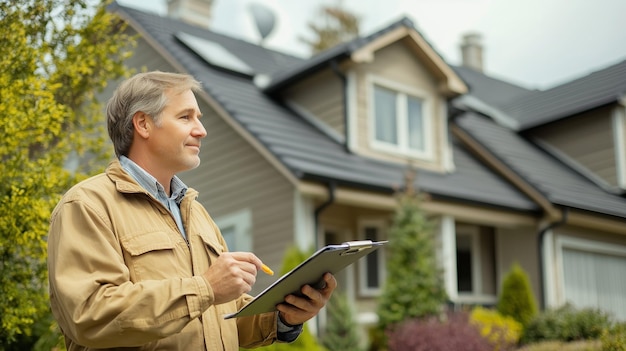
(384, 96)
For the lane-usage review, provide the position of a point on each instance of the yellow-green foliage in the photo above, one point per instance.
(54, 54)
(614, 338)
(501, 331)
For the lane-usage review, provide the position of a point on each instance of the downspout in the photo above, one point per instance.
(344, 84)
(320, 208)
(541, 236)
(318, 211)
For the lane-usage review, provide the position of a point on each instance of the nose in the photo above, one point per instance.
(199, 131)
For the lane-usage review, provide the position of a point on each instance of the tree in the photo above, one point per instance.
(341, 329)
(337, 25)
(55, 55)
(306, 341)
(414, 287)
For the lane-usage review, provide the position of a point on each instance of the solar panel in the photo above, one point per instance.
(214, 54)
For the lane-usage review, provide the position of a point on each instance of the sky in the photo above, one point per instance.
(532, 43)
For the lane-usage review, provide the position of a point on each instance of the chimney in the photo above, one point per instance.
(472, 51)
(196, 12)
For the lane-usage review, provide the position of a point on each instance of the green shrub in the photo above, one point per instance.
(614, 338)
(517, 299)
(341, 328)
(503, 332)
(306, 341)
(414, 286)
(567, 324)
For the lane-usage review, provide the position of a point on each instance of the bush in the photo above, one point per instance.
(567, 324)
(432, 334)
(517, 299)
(341, 327)
(414, 285)
(614, 338)
(502, 332)
(306, 341)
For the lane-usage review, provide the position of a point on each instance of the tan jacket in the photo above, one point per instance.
(122, 275)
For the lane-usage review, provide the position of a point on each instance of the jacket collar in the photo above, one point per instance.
(125, 183)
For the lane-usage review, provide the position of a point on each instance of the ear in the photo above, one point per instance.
(141, 122)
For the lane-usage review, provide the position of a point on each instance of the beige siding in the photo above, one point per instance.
(518, 245)
(590, 234)
(398, 65)
(588, 139)
(234, 176)
(321, 96)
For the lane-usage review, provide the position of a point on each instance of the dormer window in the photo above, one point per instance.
(401, 120)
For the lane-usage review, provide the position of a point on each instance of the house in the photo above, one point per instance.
(309, 151)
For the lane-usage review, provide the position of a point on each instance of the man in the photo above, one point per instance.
(135, 261)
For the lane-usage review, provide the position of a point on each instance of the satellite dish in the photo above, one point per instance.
(264, 19)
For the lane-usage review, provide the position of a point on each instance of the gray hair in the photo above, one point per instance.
(143, 92)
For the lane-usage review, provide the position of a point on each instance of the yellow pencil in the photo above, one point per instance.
(267, 269)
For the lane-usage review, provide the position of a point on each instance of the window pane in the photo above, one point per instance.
(229, 236)
(385, 115)
(464, 263)
(416, 123)
(373, 279)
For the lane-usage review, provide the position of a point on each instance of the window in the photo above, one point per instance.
(588, 272)
(400, 122)
(235, 228)
(371, 267)
(464, 266)
(475, 264)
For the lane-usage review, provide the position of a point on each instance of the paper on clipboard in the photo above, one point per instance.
(330, 258)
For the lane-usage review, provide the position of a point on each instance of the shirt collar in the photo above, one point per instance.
(148, 182)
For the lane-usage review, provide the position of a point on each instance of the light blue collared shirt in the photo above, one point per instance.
(148, 182)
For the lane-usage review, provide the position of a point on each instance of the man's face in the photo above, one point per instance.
(175, 141)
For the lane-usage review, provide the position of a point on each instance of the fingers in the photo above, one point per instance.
(244, 257)
(297, 310)
(231, 275)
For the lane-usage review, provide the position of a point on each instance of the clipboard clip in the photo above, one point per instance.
(356, 246)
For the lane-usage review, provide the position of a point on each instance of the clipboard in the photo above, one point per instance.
(330, 258)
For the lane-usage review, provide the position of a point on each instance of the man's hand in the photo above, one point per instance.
(297, 310)
(232, 274)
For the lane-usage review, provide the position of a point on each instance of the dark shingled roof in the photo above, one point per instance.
(492, 91)
(553, 179)
(592, 91)
(306, 151)
(311, 154)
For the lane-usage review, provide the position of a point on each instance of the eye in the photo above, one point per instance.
(185, 117)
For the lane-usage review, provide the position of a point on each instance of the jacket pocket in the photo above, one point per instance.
(211, 243)
(152, 255)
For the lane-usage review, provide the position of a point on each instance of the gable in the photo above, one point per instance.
(396, 70)
(597, 155)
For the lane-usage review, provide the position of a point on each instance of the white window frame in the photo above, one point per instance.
(476, 295)
(402, 92)
(242, 222)
(364, 290)
(619, 136)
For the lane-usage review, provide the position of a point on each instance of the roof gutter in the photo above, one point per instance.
(344, 85)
